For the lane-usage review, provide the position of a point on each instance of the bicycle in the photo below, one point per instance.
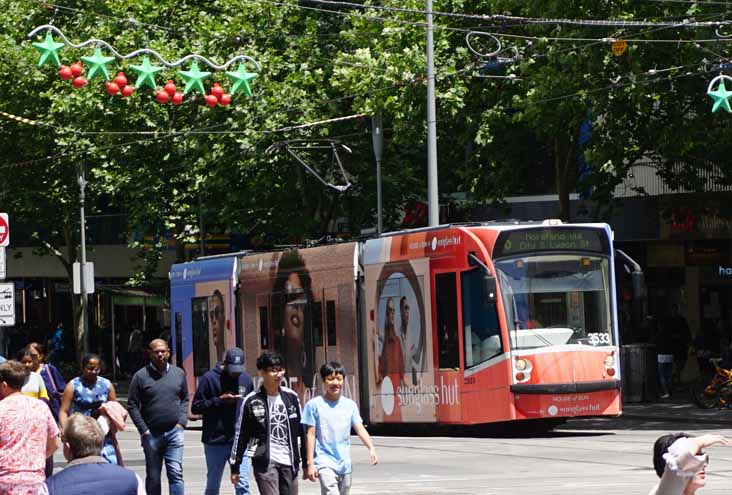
(716, 392)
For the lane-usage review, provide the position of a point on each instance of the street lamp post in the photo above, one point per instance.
(432, 186)
(377, 137)
(82, 269)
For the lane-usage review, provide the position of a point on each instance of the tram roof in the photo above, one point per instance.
(499, 225)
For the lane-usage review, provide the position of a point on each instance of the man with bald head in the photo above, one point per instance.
(158, 405)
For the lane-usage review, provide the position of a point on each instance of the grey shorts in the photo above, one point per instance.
(332, 483)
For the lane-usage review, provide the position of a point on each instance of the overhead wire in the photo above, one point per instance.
(519, 19)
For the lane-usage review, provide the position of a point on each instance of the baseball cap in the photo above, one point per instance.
(234, 360)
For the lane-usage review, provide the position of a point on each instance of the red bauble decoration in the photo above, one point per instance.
(65, 73)
(112, 88)
(217, 91)
(120, 80)
(162, 97)
(211, 100)
(127, 91)
(170, 88)
(79, 82)
(77, 69)
(177, 98)
(225, 99)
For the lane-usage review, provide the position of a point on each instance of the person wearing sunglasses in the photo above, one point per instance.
(680, 462)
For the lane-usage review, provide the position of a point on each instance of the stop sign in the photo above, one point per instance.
(4, 230)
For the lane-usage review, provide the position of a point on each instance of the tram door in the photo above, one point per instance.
(449, 374)
(447, 322)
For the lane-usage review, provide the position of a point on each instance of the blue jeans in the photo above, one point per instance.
(665, 377)
(217, 457)
(168, 447)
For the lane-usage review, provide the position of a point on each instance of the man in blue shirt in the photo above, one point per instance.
(218, 394)
(328, 420)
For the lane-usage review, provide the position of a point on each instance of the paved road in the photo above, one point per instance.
(610, 456)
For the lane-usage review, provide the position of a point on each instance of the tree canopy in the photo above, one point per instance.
(171, 169)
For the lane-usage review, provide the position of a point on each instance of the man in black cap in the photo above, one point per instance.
(217, 397)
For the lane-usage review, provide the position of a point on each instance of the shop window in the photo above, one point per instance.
(481, 332)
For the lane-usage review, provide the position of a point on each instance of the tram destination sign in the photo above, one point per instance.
(550, 239)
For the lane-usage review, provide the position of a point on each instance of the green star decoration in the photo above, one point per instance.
(98, 64)
(721, 97)
(241, 78)
(146, 73)
(194, 78)
(49, 50)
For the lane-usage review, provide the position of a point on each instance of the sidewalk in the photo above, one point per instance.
(678, 408)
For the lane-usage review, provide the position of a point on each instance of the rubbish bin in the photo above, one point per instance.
(638, 365)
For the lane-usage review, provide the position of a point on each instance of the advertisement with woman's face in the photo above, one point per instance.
(401, 356)
(293, 292)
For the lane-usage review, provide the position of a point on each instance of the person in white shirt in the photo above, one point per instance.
(680, 462)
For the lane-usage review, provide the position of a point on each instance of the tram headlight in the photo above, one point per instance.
(522, 369)
(610, 361)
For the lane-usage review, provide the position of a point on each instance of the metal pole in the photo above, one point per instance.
(114, 344)
(82, 270)
(202, 233)
(432, 186)
(377, 138)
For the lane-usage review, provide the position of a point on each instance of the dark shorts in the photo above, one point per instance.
(278, 479)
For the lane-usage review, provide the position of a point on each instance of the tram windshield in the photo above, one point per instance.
(556, 299)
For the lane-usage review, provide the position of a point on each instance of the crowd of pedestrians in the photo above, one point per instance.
(263, 430)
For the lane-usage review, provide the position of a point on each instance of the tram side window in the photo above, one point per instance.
(330, 310)
(447, 330)
(481, 332)
(278, 308)
(317, 319)
(199, 324)
(263, 327)
(178, 332)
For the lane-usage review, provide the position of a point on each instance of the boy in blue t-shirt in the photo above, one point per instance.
(328, 420)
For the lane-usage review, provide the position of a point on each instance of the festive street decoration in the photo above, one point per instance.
(65, 73)
(720, 96)
(98, 62)
(194, 78)
(241, 78)
(146, 73)
(49, 50)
